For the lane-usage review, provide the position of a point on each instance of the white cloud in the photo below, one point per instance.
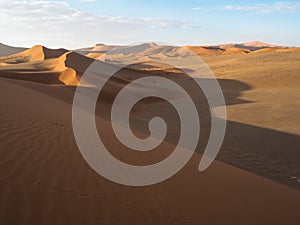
(278, 7)
(197, 8)
(87, 0)
(58, 23)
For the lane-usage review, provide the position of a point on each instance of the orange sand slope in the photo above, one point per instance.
(39, 64)
(43, 173)
(248, 47)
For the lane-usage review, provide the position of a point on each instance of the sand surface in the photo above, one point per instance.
(45, 180)
(6, 50)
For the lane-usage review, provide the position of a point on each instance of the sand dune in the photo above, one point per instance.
(273, 89)
(93, 55)
(36, 53)
(204, 51)
(236, 50)
(277, 50)
(78, 62)
(39, 64)
(97, 48)
(134, 48)
(248, 46)
(151, 52)
(95, 51)
(258, 44)
(43, 173)
(210, 51)
(224, 46)
(6, 50)
(154, 51)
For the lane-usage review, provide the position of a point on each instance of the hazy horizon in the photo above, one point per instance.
(143, 42)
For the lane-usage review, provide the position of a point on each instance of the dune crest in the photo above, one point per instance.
(39, 64)
(35, 53)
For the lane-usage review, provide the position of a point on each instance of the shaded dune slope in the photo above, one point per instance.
(6, 50)
(44, 173)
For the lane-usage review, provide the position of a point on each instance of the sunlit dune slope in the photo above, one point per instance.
(277, 50)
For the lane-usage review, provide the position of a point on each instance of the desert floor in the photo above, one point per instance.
(45, 180)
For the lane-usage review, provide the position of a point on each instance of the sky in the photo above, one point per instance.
(79, 23)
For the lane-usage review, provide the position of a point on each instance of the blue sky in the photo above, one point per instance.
(78, 23)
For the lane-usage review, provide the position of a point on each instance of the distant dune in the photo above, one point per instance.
(153, 50)
(259, 44)
(95, 51)
(249, 46)
(276, 50)
(6, 50)
(219, 50)
(205, 50)
(236, 50)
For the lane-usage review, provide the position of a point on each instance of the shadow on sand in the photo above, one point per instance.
(265, 152)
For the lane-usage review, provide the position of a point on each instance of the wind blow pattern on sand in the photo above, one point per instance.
(45, 180)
